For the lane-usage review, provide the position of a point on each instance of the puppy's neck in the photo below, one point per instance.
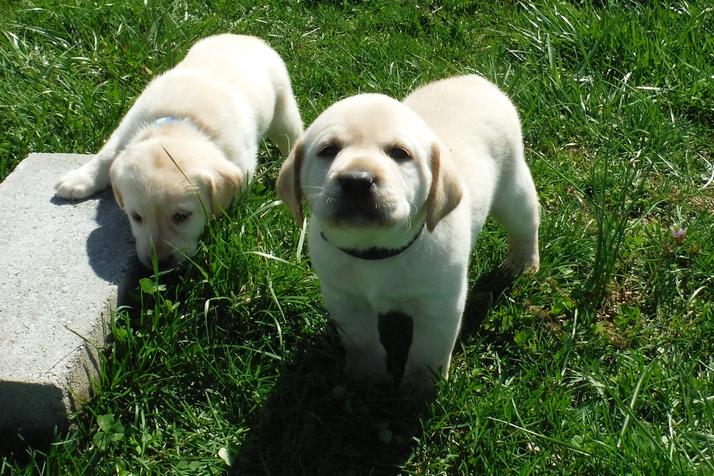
(170, 125)
(372, 253)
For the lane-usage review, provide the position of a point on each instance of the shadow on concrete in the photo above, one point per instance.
(110, 246)
(111, 255)
(21, 401)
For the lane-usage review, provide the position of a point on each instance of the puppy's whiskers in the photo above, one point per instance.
(312, 195)
(309, 196)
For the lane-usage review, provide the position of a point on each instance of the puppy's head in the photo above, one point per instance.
(371, 171)
(170, 186)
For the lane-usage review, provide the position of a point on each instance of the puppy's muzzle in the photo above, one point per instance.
(165, 258)
(358, 198)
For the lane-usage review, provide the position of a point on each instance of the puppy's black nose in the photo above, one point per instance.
(356, 182)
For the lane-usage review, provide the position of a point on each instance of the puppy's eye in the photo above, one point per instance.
(398, 153)
(329, 151)
(136, 217)
(181, 217)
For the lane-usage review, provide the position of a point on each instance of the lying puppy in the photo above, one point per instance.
(399, 193)
(190, 142)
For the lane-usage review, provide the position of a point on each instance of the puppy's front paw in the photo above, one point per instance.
(77, 184)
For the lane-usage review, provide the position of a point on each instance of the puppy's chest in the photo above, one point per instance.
(388, 285)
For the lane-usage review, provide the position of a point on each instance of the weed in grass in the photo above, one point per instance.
(613, 197)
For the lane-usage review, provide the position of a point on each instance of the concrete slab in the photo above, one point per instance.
(61, 266)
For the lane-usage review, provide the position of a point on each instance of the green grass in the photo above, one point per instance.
(602, 363)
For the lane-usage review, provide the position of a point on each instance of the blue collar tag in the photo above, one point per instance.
(165, 120)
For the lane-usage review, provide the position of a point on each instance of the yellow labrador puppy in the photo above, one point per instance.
(190, 142)
(399, 193)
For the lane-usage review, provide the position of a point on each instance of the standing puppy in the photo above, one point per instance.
(190, 142)
(399, 193)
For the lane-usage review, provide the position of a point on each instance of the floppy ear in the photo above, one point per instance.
(113, 178)
(288, 186)
(222, 186)
(445, 192)
(117, 196)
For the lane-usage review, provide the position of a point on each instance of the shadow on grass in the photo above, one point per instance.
(315, 422)
(484, 293)
(23, 431)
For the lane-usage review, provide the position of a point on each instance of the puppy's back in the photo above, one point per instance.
(480, 128)
(222, 72)
(467, 112)
(247, 61)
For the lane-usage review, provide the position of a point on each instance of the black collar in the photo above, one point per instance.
(378, 253)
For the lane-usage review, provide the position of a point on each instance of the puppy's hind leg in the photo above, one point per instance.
(286, 126)
(516, 208)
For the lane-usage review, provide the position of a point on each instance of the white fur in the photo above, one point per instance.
(475, 131)
(222, 98)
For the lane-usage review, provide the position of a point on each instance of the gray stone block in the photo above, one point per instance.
(61, 266)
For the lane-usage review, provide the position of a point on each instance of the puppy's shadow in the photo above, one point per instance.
(483, 294)
(316, 422)
(110, 245)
